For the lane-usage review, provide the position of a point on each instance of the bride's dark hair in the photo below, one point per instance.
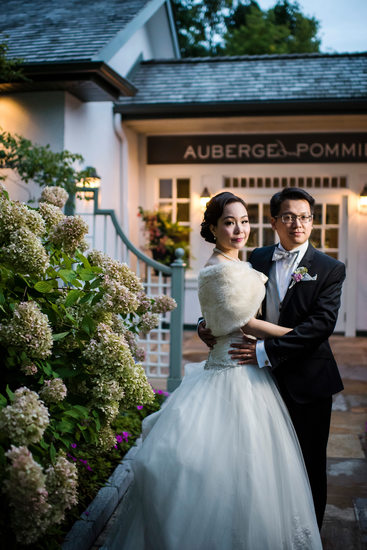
(214, 210)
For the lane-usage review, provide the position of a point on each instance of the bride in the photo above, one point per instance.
(220, 467)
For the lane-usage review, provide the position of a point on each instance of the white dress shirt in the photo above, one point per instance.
(284, 269)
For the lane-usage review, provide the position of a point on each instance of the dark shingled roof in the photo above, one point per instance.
(232, 82)
(43, 31)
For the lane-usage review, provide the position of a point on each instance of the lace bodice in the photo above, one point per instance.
(218, 357)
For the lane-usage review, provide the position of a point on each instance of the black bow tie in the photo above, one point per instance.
(283, 255)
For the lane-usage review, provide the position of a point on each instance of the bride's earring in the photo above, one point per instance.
(215, 238)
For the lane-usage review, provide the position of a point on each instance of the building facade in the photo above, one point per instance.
(159, 130)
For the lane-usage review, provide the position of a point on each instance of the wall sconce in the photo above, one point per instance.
(204, 197)
(362, 203)
(93, 181)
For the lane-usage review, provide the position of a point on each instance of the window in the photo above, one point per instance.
(174, 199)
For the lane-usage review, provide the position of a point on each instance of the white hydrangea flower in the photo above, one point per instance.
(51, 214)
(148, 321)
(25, 252)
(62, 487)
(163, 303)
(53, 390)
(27, 494)
(69, 234)
(25, 420)
(55, 195)
(28, 329)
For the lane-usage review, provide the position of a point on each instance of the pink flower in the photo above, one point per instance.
(139, 407)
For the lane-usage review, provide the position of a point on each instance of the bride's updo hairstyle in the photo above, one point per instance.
(214, 210)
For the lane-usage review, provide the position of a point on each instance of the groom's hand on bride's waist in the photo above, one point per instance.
(205, 334)
(245, 352)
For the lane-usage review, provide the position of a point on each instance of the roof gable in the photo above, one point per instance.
(71, 30)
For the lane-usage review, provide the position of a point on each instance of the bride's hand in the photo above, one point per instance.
(205, 334)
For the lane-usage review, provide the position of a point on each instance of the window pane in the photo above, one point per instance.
(266, 213)
(268, 236)
(253, 239)
(331, 238)
(317, 215)
(165, 189)
(183, 212)
(316, 238)
(332, 213)
(166, 207)
(253, 213)
(183, 189)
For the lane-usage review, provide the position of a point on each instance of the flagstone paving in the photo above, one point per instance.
(345, 524)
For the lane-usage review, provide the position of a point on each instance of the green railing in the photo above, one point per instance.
(163, 346)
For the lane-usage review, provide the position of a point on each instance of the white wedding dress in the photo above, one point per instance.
(220, 467)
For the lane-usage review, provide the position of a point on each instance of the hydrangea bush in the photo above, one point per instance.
(70, 359)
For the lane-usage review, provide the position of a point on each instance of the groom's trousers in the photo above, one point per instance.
(312, 423)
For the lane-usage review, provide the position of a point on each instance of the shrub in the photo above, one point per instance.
(70, 359)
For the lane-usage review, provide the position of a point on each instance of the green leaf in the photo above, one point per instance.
(60, 335)
(86, 274)
(72, 297)
(66, 372)
(83, 410)
(52, 453)
(44, 286)
(73, 414)
(3, 401)
(95, 283)
(89, 325)
(67, 275)
(82, 259)
(65, 426)
(10, 393)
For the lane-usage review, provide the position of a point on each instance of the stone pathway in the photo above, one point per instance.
(345, 524)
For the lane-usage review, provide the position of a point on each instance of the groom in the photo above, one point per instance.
(303, 293)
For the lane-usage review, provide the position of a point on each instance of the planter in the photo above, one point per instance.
(86, 530)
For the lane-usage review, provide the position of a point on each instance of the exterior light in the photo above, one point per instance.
(93, 181)
(363, 200)
(204, 197)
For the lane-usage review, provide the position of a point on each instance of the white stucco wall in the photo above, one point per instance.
(151, 41)
(38, 117)
(160, 35)
(138, 46)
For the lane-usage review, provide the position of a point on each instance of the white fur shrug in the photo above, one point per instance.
(230, 294)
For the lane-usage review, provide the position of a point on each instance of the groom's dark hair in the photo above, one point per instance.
(214, 210)
(291, 193)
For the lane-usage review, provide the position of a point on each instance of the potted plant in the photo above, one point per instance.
(164, 236)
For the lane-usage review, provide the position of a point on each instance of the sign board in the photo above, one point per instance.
(256, 149)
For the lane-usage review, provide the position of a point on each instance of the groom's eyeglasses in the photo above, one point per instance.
(288, 219)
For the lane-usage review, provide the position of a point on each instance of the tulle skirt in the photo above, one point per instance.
(220, 468)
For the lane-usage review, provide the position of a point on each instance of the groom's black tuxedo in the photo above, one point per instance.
(302, 361)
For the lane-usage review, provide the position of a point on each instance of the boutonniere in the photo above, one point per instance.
(301, 274)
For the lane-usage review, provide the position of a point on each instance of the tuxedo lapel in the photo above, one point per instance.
(266, 264)
(267, 260)
(305, 262)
